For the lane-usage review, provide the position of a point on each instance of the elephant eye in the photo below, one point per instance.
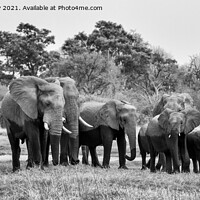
(47, 103)
(123, 120)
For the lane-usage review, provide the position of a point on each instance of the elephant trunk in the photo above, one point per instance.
(132, 142)
(74, 144)
(72, 115)
(174, 150)
(55, 134)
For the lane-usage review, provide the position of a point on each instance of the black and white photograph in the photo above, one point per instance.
(99, 100)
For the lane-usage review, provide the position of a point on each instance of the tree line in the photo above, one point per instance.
(109, 61)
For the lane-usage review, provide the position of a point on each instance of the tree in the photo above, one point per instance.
(128, 50)
(76, 45)
(25, 50)
(192, 77)
(90, 70)
(164, 71)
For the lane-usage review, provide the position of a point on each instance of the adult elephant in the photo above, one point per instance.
(167, 133)
(144, 150)
(193, 145)
(69, 143)
(32, 109)
(174, 101)
(111, 120)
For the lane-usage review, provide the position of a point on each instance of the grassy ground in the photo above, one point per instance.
(86, 182)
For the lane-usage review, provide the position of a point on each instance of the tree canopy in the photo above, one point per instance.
(25, 50)
(108, 61)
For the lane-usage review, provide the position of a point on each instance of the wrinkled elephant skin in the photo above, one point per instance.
(144, 150)
(69, 143)
(111, 120)
(167, 133)
(31, 103)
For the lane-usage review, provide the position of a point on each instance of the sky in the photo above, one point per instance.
(173, 25)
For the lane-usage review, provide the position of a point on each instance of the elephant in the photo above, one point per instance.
(110, 120)
(167, 133)
(193, 145)
(144, 150)
(31, 110)
(175, 101)
(69, 142)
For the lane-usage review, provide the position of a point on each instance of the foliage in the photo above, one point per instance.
(128, 50)
(25, 50)
(192, 75)
(90, 70)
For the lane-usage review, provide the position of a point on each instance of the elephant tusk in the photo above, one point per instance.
(46, 126)
(84, 122)
(169, 136)
(179, 134)
(63, 120)
(66, 130)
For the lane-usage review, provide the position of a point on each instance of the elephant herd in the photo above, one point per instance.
(173, 133)
(48, 113)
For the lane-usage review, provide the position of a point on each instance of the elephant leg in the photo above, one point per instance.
(161, 162)
(107, 139)
(152, 161)
(168, 162)
(152, 156)
(73, 150)
(46, 160)
(144, 165)
(85, 154)
(54, 148)
(95, 160)
(64, 146)
(195, 167)
(30, 163)
(148, 163)
(184, 153)
(121, 143)
(14, 142)
(34, 145)
(44, 143)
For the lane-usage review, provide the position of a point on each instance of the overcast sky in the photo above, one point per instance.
(173, 25)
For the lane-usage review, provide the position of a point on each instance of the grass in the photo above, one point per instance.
(85, 182)
(88, 183)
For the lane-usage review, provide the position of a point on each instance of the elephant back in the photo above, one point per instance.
(89, 111)
(174, 101)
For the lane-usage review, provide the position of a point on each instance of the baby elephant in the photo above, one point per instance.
(193, 145)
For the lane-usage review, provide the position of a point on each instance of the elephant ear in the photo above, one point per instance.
(160, 105)
(192, 120)
(163, 118)
(108, 114)
(63, 80)
(53, 80)
(24, 92)
(187, 99)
